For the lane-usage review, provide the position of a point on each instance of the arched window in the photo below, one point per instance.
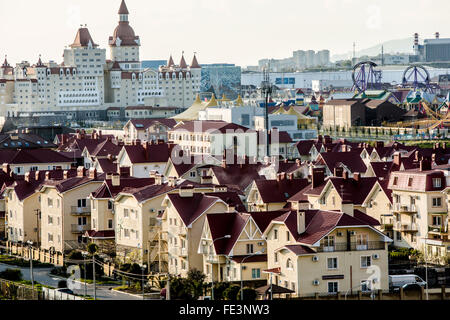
(48, 72)
(61, 72)
(133, 76)
(68, 72)
(289, 264)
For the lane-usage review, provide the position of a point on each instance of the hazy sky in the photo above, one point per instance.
(233, 31)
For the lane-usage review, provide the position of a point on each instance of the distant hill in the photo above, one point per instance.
(392, 46)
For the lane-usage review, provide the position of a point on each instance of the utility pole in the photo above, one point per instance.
(267, 89)
(85, 278)
(93, 269)
(30, 248)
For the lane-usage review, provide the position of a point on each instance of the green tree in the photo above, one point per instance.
(196, 281)
(231, 293)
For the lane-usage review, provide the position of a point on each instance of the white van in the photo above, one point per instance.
(402, 281)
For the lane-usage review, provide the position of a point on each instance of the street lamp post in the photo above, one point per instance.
(143, 267)
(85, 278)
(30, 248)
(242, 278)
(218, 267)
(426, 268)
(93, 269)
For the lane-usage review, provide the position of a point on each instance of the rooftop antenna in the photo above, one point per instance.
(382, 55)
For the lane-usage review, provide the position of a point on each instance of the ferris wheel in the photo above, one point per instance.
(417, 77)
(366, 77)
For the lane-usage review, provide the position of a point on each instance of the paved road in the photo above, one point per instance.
(43, 276)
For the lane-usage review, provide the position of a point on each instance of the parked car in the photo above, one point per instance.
(405, 281)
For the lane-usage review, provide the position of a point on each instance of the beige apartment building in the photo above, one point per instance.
(233, 240)
(136, 211)
(66, 210)
(420, 210)
(182, 225)
(327, 252)
(214, 138)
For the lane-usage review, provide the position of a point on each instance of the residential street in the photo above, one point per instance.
(42, 275)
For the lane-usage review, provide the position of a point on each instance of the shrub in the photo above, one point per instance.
(231, 292)
(219, 289)
(249, 294)
(11, 275)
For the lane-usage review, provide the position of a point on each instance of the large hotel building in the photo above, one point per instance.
(89, 82)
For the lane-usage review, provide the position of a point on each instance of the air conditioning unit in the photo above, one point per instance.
(316, 282)
(352, 233)
(376, 256)
(244, 268)
(261, 244)
(315, 258)
(339, 234)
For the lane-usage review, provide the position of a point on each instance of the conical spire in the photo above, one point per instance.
(39, 63)
(197, 99)
(123, 8)
(194, 64)
(213, 101)
(183, 63)
(239, 101)
(171, 63)
(5, 64)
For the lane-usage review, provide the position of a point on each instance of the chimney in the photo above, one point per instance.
(338, 172)
(172, 181)
(65, 175)
(397, 158)
(81, 172)
(290, 176)
(186, 192)
(416, 155)
(27, 177)
(444, 145)
(328, 140)
(348, 208)
(231, 208)
(159, 179)
(357, 176)
(92, 173)
(100, 135)
(320, 139)
(6, 168)
(115, 180)
(224, 163)
(317, 177)
(425, 165)
(109, 176)
(37, 175)
(301, 222)
(380, 144)
(298, 162)
(146, 147)
(345, 175)
(47, 175)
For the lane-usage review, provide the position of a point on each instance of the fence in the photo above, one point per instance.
(52, 294)
(433, 294)
(43, 256)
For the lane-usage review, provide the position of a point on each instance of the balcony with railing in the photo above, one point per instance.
(75, 228)
(405, 209)
(352, 246)
(387, 222)
(80, 211)
(406, 227)
(438, 230)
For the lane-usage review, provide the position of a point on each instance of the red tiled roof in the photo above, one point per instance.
(148, 153)
(149, 191)
(351, 190)
(106, 148)
(190, 208)
(352, 160)
(31, 156)
(241, 176)
(300, 250)
(223, 224)
(252, 259)
(108, 191)
(82, 39)
(123, 8)
(304, 147)
(279, 191)
(319, 223)
(144, 124)
(107, 165)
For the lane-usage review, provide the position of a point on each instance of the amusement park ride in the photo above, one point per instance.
(416, 78)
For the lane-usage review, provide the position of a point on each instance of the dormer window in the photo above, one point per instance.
(437, 182)
(48, 72)
(395, 181)
(410, 182)
(68, 72)
(61, 72)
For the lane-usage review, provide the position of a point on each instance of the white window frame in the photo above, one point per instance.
(367, 265)
(328, 263)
